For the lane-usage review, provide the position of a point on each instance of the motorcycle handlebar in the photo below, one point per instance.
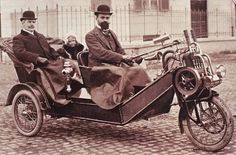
(193, 36)
(175, 42)
(187, 37)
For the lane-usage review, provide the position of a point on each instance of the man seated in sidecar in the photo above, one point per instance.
(39, 59)
(113, 75)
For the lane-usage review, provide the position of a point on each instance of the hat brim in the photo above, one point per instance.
(100, 12)
(28, 19)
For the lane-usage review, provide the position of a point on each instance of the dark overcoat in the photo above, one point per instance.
(110, 84)
(28, 47)
(99, 49)
(70, 52)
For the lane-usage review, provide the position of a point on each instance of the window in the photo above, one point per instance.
(140, 5)
(153, 4)
(199, 21)
(96, 3)
(145, 4)
(164, 5)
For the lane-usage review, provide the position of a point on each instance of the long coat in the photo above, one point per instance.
(99, 49)
(110, 84)
(28, 47)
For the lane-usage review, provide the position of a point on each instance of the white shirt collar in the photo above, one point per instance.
(98, 26)
(28, 31)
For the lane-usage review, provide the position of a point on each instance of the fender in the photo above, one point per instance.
(174, 76)
(35, 89)
(183, 114)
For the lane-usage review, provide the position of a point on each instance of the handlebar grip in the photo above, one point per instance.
(187, 37)
(193, 36)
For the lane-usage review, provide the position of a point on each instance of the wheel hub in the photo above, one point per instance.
(187, 81)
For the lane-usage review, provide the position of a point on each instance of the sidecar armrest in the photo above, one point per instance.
(86, 75)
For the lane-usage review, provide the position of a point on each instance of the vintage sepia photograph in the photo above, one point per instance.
(120, 77)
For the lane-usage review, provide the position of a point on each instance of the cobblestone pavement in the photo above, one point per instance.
(160, 135)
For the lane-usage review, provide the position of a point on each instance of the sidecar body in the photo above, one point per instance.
(30, 103)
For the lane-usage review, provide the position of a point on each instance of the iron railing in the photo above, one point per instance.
(129, 24)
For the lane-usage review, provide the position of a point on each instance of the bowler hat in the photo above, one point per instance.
(28, 15)
(103, 9)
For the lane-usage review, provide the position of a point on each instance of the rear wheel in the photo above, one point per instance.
(212, 126)
(28, 116)
(166, 59)
(169, 60)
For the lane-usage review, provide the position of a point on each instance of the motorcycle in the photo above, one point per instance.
(204, 117)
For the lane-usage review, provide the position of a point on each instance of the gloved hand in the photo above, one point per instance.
(138, 60)
(41, 62)
(128, 60)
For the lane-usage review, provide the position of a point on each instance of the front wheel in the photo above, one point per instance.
(211, 127)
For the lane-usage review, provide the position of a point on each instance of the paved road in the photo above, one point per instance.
(159, 135)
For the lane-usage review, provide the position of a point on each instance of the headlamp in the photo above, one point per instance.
(220, 71)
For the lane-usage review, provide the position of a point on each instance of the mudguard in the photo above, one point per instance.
(35, 89)
(183, 114)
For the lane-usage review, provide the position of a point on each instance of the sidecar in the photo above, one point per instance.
(31, 103)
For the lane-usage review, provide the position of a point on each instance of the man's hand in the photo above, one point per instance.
(128, 60)
(42, 61)
(138, 60)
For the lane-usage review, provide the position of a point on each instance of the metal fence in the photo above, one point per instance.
(129, 24)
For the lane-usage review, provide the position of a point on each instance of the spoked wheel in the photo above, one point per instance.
(28, 116)
(212, 126)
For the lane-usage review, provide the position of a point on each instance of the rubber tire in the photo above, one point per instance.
(39, 123)
(167, 56)
(168, 61)
(229, 128)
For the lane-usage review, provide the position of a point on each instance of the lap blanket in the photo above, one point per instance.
(53, 82)
(51, 79)
(111, 85)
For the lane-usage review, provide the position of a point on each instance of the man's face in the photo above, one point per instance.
(71, 41)
(103, 18)
(29, 25)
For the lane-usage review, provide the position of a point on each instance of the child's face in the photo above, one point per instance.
(71, 41)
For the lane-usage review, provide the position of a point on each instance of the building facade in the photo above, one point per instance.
(132, 19)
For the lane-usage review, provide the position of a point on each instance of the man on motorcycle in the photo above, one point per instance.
(107, 56)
